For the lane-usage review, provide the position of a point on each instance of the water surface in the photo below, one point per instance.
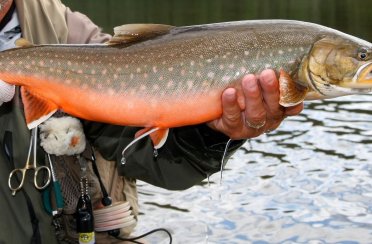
(307, 182)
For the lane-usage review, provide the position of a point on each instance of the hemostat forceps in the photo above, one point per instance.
(29, 165)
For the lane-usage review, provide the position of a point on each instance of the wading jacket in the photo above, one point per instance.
(189, 155)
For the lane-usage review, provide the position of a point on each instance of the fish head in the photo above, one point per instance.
(338, 66)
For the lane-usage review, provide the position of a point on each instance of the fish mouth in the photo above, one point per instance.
(362, 78)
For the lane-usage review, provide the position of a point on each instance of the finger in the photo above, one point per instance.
(270, 93)
(231, 115)
(255, 113)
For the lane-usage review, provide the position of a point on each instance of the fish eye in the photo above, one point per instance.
(363, 54)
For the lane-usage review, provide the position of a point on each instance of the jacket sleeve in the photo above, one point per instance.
(82, 30)
(189, 155)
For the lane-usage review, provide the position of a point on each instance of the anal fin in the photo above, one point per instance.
(291, 93)
(37, 109)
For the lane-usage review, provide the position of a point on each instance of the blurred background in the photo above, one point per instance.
(310, 181)
(352, 16)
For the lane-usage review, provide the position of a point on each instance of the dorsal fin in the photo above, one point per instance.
(138, 32)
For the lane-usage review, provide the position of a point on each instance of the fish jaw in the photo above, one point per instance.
(362, 78)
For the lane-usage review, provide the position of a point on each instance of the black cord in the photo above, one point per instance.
(134, 239)
(106, 200)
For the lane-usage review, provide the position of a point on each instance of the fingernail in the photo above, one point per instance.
(230, 93)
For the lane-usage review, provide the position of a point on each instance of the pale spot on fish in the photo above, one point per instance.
(211, 75)
(104, 71)
(145, 75)
(69, 63)
(198, 74)
(92, 71)
(290, 49)
(257, 55)
(280, 52)
(41, 63)
(155, 87)
(243, 69)
(205, 84)
(201, 56)
(267, 66)
(192, 63)
(154, 69)
(170, 69)
(221, 66)
(12, 63)
(161, 78)
(80, 71)
(226, 78)
(111, 91)
(131, 76)
(170, 84)
(143, 87)
(190, 84)
(130, 105)
(231, 66)
(183, 72)
(116, 76)
(153, 103)
(209, 60)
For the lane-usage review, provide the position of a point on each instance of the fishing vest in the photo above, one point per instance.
(50, 26)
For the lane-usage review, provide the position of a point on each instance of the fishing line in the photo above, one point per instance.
(123, 161)
(223, 159)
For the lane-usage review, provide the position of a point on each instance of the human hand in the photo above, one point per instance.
(255, 111)
(6, 92)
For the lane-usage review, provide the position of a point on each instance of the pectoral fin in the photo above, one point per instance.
(158, 137)
(291, 93)
(130, 33)
(36, 108)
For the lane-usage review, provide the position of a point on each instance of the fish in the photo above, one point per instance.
(159, 76)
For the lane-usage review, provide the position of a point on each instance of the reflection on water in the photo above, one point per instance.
(308, 181)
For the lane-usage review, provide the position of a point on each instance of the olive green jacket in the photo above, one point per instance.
(189, 155)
